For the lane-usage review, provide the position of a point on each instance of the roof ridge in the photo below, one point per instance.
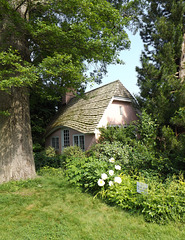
(104, 86)
(83, 114)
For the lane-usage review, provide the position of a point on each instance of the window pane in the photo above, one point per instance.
(82, 142)
(66, 138)
(55, 142)
(76, 140)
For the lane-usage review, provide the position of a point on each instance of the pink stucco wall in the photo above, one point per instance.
(56, 133)
(89, 138)
(118, 113)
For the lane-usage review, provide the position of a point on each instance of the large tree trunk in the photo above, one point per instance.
(16, 152)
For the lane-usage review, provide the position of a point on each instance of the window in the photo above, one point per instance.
(78, 140)
(55, 142)
(121, 110)
(66, 138)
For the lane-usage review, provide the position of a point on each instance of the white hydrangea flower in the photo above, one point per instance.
(101, 183)
(117, 167)
(117, 180)
(111, 183)
(112, 160)
(104, 176)
(111, 172)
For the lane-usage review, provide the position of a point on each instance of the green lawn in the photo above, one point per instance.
(49, 208)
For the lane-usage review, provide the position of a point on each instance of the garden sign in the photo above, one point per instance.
(142, 187)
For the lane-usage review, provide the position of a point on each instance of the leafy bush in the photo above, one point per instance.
(132, 158)
(71, 153)
(100, 175)
(42, 159)
(84, 172)
(147, 130)
(106, 150)
(121, 134)
(140, 157)
(162, 202)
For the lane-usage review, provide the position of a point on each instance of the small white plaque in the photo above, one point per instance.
(142, 187)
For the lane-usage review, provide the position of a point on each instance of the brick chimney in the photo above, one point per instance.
(67, 97)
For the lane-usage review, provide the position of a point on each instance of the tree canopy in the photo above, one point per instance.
(56, 42)
(162, 30)
(46, 48)
(160, 79)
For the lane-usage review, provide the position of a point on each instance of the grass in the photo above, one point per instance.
(49, 208)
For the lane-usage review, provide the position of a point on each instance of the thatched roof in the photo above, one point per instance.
(84, 114)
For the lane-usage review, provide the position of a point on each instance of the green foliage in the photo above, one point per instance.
(5, 113)
(162, 202)
(47, 158)
(107, 150)
(141, 157)
(147, 130)
(85, 172)
(179, 117)
(169, 139)
(52, 45)
(74, 38)
(14, 71)
(134, 147)
(50, 152)
(41, 115)
(139, 147)
(144, 130)
(122, 134)
(48, 171)
(162, 90)
(71, 152)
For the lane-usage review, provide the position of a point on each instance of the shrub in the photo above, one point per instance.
(163, 201)
(106, 150)
(121, 134)
(50, 152)
(140, 157)
(71, 152)
(84, 172)
(42, 160)
(132, 158)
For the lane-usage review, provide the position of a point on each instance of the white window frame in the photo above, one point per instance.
(66, 145)
(79, 135)
(62, 138)
(55, 142)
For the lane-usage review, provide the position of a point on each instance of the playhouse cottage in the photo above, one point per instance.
(79, 119)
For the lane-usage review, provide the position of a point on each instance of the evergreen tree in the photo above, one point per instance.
(161, 79)
(161, 88)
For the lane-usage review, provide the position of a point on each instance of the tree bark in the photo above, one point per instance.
(16, 152)
(182, 63)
